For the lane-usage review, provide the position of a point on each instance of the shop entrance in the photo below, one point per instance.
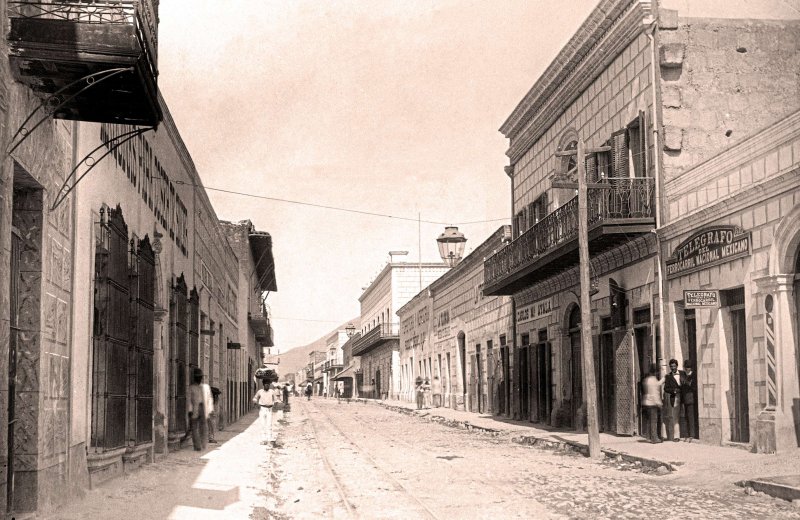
(733, 300)
(690, 333)
(524, 379)
(575, 362)
(12, 362)
(543, 377)
(606, 397)
(642, 336)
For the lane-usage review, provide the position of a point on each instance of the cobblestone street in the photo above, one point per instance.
(354, 460)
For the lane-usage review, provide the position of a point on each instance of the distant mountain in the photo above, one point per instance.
(296, 358)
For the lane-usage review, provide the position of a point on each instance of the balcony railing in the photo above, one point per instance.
(262, 329)
(621, 203)
(375, 337)
(57, 45)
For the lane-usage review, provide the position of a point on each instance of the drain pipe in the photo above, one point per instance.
(662, 289)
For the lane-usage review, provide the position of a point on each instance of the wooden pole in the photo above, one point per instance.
(589, 384)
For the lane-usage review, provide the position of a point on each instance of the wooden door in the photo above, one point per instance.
(12, 364)
(740, 428)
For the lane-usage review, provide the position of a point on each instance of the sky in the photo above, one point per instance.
(378, 106)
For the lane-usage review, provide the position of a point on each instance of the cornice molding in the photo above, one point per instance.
(747, 197)
(745, 152)
(603, 36)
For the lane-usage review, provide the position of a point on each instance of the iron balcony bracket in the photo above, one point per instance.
(52, 103)
(89, 162)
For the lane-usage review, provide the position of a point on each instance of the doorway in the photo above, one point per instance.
(690, 333)
(377, 389)
(733, 300)
(543, 376)
(524, 378)
(479, 373)
(574, 328)
(642, 337)
(462, 351)
(12, 361)
(607, 397)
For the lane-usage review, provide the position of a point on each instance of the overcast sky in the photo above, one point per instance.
(379, 106)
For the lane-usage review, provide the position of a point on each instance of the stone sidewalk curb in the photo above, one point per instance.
(539, 442)
(773, 489)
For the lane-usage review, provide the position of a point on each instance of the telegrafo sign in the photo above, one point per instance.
(699, 298)
(709, 247)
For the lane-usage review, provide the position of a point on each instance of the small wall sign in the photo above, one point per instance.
(697, 298)
(711, 246)
(534, 311)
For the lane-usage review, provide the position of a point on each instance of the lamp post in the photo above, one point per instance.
(451, 245)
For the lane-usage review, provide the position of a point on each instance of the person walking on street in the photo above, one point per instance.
(309, 391)
(200, 405)
(286, 393)
(265, 399)
(688, 396)
(651, 401)
(436, 388)
(672, 400)
(212, 417)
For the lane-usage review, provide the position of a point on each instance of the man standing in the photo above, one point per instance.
(200, 405)
(688, 394)
(672, 399)
(436, 388)
(265, 399)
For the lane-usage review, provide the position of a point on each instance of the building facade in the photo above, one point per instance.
(378, 345)
(119, 280)
(255, 279)
(655, 97)
(452, 331)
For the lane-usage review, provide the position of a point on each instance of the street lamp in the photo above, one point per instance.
(350, 330)
(451, 245)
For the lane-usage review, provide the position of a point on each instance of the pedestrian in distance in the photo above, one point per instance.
(426, 389)
(419, 392)
(212, 417)
(265, 399)
(688, 396)
(309, 391)
(286, 393)
(652, 402)
(672, 400)
(201, 404)
(436, 388)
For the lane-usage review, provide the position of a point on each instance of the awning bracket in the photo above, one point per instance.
(90, 162)
(52, 103)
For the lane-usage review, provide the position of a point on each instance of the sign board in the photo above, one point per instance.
(697, 298)
(534, 311)
(711, 246)
(234, 346)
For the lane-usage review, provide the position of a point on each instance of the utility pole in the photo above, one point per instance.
(589, 384)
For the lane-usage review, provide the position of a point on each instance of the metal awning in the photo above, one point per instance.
(347, 373)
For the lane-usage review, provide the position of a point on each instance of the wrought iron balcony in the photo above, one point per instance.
(259, 322)
(332, 365)
(93, 60)
(376, 337)
(617, 211)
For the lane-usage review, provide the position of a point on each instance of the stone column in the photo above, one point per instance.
(778, 425)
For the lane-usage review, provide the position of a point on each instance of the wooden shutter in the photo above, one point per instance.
(619, 153)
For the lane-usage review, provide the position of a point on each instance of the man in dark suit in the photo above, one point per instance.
(672, 399)
(688, 396)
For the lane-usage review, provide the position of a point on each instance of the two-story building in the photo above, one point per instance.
(452, 331)
(653, 96)
(378, 346)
